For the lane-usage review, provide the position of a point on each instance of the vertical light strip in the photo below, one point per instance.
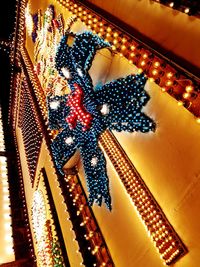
(90, 235)
(6, 249)
(2, 145)
(160, 230)
(28, 67)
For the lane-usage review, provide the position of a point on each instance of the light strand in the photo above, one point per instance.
(166, 240)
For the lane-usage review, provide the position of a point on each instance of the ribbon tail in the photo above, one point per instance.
(96, 176)
(63, 148)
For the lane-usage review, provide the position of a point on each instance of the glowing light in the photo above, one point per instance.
(6, 207)
(6, 198)
(156, 64)
(29, 20)
(187, 10)
(198, 120)
(189, 88)
(124, 40)
(9, 250)
(54, 104)
(140, 70)
(69, 140)
(177, 251)
(180, 103)
(154, 72)
(169, 74)
(94, 161)
(39, 212)
(8, 238)
(4, 181)
(6, 216)
(186, 95)
(105, 109)
(3, 160)
(123, 47)
(151, 79)
(79, 71)
(7, 226)
(168, 83)
(159, 229)
(66, 73)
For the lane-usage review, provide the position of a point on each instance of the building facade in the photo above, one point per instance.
(106, 132)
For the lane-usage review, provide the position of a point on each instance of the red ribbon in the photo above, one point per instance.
(77, 110)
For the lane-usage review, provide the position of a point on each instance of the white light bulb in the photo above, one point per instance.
(66, 73)
(80, 73)
(94, 161)
(105, 109)
(54, 104)
(69, 140)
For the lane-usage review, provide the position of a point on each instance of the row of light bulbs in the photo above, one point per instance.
(30, 127)
(187, 7)
(5, 46)
(182, 88)
(41, 98)
(163, 235)
(4, 191)
(16, 43)
(15, 57)
(6, 205)
(15, 99)
(45, 232)
(22, 193)
(93, 235)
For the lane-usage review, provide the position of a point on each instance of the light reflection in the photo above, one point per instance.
(6, 198)
(4, 182)
(3, 174)
(8, 238)
(6, 207)
(6, 216)
(9, 250)
(7, 225)
(5, 190)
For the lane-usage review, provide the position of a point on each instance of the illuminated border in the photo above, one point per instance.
(47, 240)
(191, 8)
(88, 234)
(30, 126)
(160, 230)
(6, 253)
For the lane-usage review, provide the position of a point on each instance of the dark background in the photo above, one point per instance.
(7, 19)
